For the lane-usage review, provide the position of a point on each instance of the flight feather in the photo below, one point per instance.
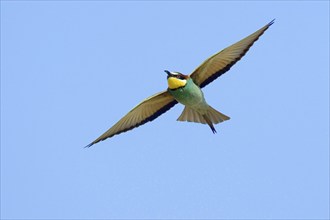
(222, 61)
(146, 111)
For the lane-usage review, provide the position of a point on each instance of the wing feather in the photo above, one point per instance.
(146, 111)
(222, 61)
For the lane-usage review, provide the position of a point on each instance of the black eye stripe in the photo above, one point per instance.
(180, 77)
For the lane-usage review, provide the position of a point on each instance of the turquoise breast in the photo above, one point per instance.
(190, 94)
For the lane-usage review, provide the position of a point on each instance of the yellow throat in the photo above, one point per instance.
(174, 83)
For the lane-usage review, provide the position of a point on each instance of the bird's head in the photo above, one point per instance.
(176, 80)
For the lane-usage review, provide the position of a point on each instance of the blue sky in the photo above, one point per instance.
(70, 70)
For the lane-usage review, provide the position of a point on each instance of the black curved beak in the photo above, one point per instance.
(168, 72)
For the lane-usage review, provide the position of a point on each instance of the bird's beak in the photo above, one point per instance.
(168, 72)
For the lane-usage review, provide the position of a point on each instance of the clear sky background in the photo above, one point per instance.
(70, 70)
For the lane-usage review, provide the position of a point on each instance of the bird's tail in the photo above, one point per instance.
(211, 117)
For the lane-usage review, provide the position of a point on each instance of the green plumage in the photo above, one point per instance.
(196, 109)
(189, 95)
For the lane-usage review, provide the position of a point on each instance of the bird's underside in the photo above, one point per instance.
(154, 106)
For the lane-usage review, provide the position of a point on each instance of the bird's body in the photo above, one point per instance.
(189, 94)
(186, 89)
(186, 92)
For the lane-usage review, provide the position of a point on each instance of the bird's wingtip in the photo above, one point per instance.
(89, 145)
(271, 22)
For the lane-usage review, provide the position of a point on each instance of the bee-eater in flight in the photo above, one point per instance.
(186, 89)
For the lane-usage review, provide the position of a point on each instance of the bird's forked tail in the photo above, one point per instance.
(211, 117)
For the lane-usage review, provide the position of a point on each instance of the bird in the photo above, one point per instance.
(186, 89)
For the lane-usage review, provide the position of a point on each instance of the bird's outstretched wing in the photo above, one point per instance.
(146, 111)
(222, 61)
